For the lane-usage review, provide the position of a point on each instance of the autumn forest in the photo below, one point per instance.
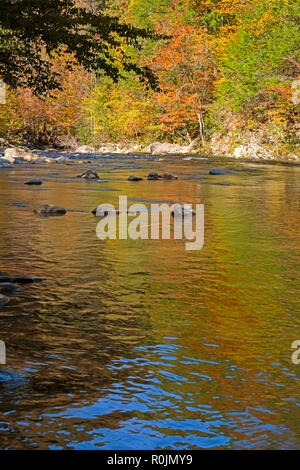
(224, 73)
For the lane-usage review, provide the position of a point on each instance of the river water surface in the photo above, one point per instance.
(142, 344)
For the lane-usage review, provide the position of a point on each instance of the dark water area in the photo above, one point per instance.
(142, 344)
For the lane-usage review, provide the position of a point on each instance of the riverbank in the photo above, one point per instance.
(218, 148)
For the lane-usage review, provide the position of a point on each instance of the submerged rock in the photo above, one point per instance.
(169, 177)
(89, 174)
(34, 182)
(7, 287)
(183, 209)
(3, 300)
(214, 171)
(49, 209)
(43, 160)
(153, 176)
(99, 213)
(19, 279)
(134, 178)
(62, 160)
(5, 163)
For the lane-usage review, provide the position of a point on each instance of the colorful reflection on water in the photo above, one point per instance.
(142, 344)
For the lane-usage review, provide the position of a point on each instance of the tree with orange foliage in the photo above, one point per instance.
(185, 67)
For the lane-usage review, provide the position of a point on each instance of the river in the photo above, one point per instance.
(142, 344)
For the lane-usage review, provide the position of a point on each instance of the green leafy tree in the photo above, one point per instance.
(32, 31)
(262, 54)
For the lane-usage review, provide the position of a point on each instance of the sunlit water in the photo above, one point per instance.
(142, 344)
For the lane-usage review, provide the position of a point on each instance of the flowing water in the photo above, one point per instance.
(142, 344)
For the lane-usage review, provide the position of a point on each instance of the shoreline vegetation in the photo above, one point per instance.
(223, 79)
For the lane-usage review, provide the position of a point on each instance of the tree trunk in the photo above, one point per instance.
(201, 127)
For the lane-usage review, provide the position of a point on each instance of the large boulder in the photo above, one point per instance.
(14, 152)
(164, 148)
(85, 149)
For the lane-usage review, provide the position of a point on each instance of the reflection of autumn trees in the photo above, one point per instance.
(143, 331)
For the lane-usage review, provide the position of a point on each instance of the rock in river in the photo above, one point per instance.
(215, 171)
(89, 174)
(33, 182)
(104, 213)
(45, 160)
(154, 176)
(134, 178)
(19, 279)
(5, 163)
(183, 209)
(7, 287)
(3, 300)
(14, 152)
(169, 177)
(49, 209)
(62, 160)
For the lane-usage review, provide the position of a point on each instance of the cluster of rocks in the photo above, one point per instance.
(15, 155)
(252, 150)
(164, 148)
(46, 210)
(259, 145)
(153, 176)
(156, 148)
